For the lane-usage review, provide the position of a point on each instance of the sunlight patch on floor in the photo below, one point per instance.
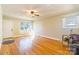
(26, 42)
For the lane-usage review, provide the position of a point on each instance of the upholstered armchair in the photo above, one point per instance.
(73, 42)
(74, 38)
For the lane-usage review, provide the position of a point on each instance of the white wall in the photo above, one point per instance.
(7, 27)
(0, 26)
(51, 28)
(11, 27)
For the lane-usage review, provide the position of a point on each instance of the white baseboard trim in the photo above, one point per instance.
(50, 37)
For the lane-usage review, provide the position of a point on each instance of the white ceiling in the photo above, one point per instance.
(45, 10)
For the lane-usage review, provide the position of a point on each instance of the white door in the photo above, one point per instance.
(7, 28)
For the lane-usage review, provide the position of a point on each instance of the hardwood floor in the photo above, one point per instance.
(34, 46)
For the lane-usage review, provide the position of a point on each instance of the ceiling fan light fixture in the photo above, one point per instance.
(34, 13)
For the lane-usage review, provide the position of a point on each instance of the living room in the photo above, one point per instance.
(43, 24)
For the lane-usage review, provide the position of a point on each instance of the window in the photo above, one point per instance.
(26, 26)
(71, 22)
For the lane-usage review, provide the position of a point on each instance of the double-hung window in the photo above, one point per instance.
(71, 22)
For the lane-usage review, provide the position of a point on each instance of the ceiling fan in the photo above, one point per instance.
(33, 12)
